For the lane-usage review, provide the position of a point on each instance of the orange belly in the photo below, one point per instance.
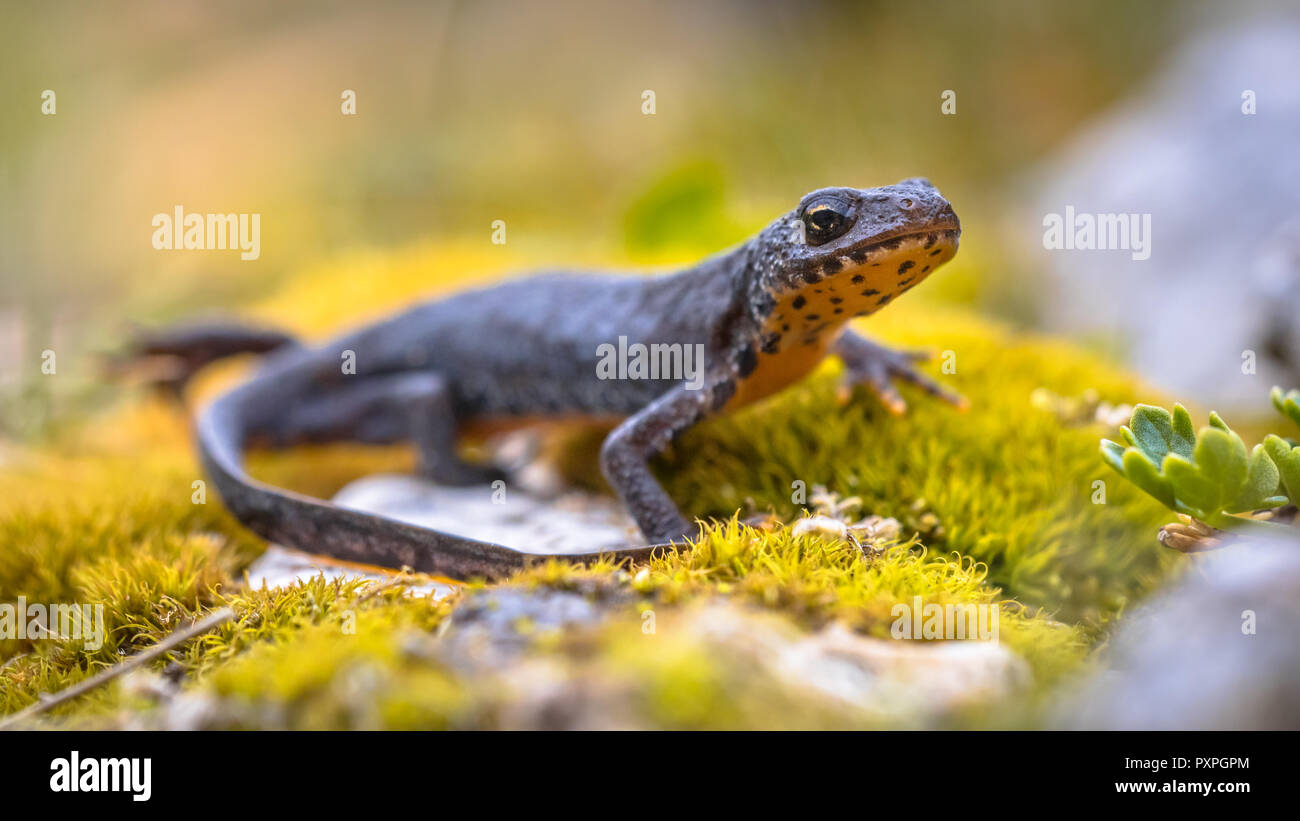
(777, 371)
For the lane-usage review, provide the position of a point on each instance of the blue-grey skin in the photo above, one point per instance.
(529, 348)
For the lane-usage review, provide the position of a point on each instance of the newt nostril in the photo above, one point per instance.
(906, 203)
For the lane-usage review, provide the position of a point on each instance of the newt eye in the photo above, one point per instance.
(826, 219)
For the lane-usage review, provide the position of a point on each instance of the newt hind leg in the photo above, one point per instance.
(414, 407)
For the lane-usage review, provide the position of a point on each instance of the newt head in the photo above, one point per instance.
(843, 253)
(848, 252)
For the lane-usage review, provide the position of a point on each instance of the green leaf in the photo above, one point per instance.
(1195, 494)
(1127, 436)
(1261, 483)
(1113, 454)
(1276, 446)
(1221, 457)
(1217, 422)
(1287, 404)
(1184, 435)
(1287, 460)
(1153, 430)
(1142, 473)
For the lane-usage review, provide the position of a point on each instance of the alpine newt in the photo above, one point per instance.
(766, 313)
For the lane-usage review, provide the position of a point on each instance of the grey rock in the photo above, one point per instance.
(1188, 659)
(1223, 191)
(572, 522)
(494, 627)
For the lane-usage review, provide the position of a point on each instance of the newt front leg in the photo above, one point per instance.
(866, 363)
(626, 453)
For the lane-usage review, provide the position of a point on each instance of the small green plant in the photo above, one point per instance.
(1284, 452)
(1287, 458)
(1287, 404)
(1208, 476)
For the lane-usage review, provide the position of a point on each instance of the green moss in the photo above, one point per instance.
(1008, 483)
(818, 580)
(391, 674)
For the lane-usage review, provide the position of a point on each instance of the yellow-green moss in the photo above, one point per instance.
(665, 680)
(1009, 485)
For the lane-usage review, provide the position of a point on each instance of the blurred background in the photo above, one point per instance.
(532, 113)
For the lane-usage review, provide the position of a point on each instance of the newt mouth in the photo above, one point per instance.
(933, 240)
(932, 234)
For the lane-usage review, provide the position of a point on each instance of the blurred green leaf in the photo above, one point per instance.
(1113, 453)
(1221, 457)
(1287, 404)
(1261, 483)
(1217, 421)
(1145, 475)
(1287, 459)
(1183, 440)
(1195, 492)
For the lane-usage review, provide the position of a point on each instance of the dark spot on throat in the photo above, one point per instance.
(799, 302)
(906, 266)
(747, 361)
(722, 393)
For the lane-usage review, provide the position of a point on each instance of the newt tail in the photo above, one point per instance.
(290, 518)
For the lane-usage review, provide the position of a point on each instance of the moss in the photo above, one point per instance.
(1009, 484)
(1002, 498)
(390, 674)
(816, 581)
